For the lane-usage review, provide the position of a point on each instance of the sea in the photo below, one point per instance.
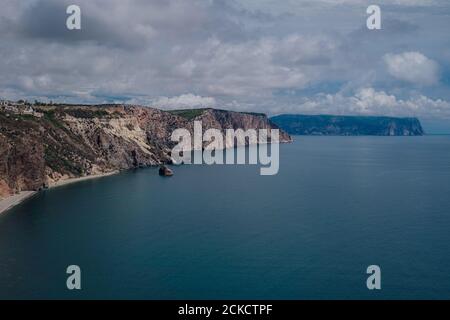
(337, 206)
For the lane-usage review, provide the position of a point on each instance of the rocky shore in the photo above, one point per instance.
(49, 145)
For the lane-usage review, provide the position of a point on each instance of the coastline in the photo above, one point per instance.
(16, 199)
(10, 202)
(64, 182)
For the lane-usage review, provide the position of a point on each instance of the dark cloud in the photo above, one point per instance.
(46, 21)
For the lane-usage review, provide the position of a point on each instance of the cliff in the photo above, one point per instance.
(348, 125)
(45, 144)
(223, 119)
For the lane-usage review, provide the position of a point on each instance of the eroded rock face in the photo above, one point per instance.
(22, 161)
(74, 141)
(221, 119)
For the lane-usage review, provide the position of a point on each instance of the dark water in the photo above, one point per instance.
(338, 205)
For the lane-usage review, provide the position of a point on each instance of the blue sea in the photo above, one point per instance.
(337, 206)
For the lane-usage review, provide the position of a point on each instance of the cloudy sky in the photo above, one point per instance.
(272, 56)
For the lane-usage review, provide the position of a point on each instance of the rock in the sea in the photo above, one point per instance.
(164, 171)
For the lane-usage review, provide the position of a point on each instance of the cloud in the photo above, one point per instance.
(256, 67)
(369, 101)
(412, 67)
(185, 101)
(264, 55)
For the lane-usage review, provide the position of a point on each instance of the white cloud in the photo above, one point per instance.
(368, 101)
(185, 101)
(412, 67)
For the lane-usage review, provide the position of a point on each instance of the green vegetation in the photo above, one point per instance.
(86, 113)
(58, 163)
(25, 117)
(258, 114)
(188, 114)
(51, 117)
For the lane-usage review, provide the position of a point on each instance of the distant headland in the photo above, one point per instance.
(330, 125)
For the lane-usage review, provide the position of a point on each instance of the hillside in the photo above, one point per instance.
(44, 144)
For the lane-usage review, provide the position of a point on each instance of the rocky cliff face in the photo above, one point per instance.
(348, 125)
(223, 119)
(75, 141)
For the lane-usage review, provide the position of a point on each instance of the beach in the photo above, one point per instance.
(12, 201)
(73, 180)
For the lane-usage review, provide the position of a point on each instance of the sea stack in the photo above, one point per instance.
(165, 172)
